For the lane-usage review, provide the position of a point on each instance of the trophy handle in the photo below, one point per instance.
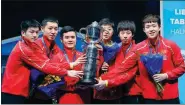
(83, 34)
(82, 29)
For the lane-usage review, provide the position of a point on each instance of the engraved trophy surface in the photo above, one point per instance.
(93, 34)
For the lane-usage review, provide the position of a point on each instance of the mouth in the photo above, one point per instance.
(52, 36)
(106, 36)
(34, 39)
(152, 33)
(70, 43)
(125, 40)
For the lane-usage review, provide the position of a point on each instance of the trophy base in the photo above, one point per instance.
(88, 82)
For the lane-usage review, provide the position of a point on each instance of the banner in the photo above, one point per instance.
(173, 28)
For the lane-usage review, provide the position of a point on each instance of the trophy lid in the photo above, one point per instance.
(95, 24)
(93, 31)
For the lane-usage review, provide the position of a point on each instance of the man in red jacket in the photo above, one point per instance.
(72, 95)
(113, 95)
(131, 91)
(25, 55)
(71, 92)
(172, 68)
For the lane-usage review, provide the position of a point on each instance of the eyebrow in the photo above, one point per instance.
(148, 25)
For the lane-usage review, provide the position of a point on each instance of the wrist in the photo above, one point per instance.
(67, 74)
(166, 75)
(100, 78)
(106, 83)
(71, 65)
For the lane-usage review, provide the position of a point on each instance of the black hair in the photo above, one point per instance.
(66, 29)
(106, 21)
(29, 23)
(49, 19)
(126, 25)
(151, 18)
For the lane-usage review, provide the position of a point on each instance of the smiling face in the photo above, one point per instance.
(151, 29)
(69, 39)
(50, 30)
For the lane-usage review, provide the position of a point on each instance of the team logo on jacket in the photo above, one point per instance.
(163, 52)
(164, 57)
(145, 53)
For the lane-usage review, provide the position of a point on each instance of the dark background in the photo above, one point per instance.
(75, 13)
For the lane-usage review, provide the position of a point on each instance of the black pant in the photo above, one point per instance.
(34, 100)
(38, 98)
(12, 99)
(138, 99)
(97, 101)
(171, 101)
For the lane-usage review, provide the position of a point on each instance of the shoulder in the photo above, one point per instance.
(140, 46)
(22, 45)
(32, 47)
(24, 48)
(171, 45)
(17, 47)
(168, 43)
(39, 42)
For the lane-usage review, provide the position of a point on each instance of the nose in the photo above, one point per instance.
(69, 39)
(125, 36)
(106, 32)
(53, 31)
(35, 34)
(151, 29)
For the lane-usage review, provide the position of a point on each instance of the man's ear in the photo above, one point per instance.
(42, 28)
(144, 30)
(61, 40)
(160, 27)
(23, 33)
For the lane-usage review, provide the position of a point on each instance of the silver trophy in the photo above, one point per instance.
(92, 37)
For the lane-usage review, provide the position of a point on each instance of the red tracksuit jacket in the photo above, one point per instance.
(73, 95)
(173, 65)
(131, 88)
(24, 56)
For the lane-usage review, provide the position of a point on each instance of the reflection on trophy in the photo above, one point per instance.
(92, 37)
